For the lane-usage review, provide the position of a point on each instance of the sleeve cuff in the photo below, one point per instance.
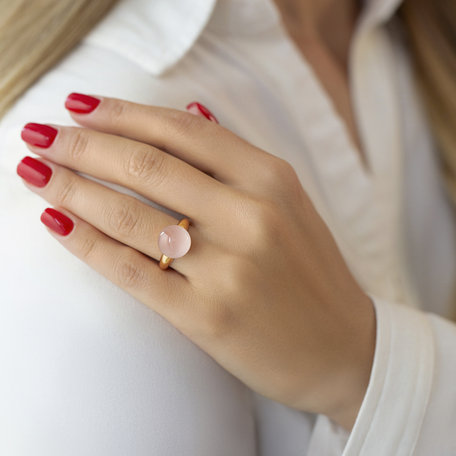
(394, 406)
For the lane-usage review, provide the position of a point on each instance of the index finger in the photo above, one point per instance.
(203, 144)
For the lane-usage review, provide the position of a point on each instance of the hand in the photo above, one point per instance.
(264, 289)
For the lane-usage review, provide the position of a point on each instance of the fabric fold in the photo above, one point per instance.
(399, 388)
(156, 35)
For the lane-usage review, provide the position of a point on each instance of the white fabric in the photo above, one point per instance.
(87, 369)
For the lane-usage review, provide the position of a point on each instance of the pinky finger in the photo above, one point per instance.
(131, 270)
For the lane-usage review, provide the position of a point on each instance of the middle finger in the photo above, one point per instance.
(122, 217)
(149, 171)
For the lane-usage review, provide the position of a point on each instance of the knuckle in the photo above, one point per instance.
(66, 194)
(217, 321)
(123, 219)
(117, 111)
(78, 144)
(128, 272)
(278, 172)
(146, 165)
(87, 248)
(263, 225)
(280, 183)
(236, 274)
(182, 123)
(219, 308)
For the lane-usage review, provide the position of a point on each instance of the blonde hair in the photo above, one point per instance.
(431, 27)
(431, 32)
(35, 34)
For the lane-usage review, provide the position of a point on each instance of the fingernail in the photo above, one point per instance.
(57, 221)
(200, 110)
(80, 103)
(38, 135)
(34, 171)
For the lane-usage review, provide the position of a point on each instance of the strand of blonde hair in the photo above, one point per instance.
(36, 34)
(431, 32)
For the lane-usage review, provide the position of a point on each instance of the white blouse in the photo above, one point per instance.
(88, 370)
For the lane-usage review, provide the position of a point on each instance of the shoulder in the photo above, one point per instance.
(136, 37)
(123, 56)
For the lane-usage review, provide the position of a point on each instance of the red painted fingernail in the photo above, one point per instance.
(38, 134)
(80, 103)
(200, 110)
(57, 221)
(34, 171)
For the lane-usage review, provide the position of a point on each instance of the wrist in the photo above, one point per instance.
(353, 378)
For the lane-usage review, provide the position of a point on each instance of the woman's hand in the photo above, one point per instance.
(264, 289)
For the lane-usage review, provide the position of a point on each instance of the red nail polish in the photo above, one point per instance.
(38, 135)
(80, 103)
(57, 221)
(199, 109)
(34, 171)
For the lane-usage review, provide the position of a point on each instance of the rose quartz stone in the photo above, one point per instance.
(174, 241)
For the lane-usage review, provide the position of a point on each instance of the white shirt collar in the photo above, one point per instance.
(154, 34)
(157, 34)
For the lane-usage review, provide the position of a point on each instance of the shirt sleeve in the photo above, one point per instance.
(410, 403)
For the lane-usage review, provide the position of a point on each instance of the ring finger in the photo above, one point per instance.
(120, 216)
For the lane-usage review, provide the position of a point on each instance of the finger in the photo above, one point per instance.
(122, 217)
(158, 176)
(205, 145)
(164, 291)
(201, 111)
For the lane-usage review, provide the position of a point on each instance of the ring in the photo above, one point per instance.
(174, 242)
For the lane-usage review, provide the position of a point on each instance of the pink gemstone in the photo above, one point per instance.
(174, 241)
